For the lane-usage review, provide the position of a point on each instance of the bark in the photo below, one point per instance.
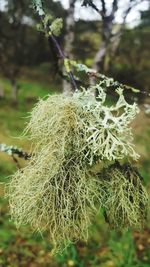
(116, 38)
(110, 42)
(69, 40)
(106, 32)
(107, 27)
(99, 60)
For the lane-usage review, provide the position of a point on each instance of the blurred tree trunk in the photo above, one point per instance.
(111, 35)
(14, 92)
(106, 32)
(1, 91)
(14, 50)
(69, 40)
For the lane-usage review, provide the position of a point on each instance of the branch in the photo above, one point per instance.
(132, 4)
(38, 5)
(16, 161)
(114, 8)
(13, 150)
(91, 4)
(108, 82)
(64, 58)
(103, 7)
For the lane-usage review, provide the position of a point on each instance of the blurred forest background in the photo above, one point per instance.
(29, 69)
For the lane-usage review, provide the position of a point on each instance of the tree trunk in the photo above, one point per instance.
(110, 41)
(1, 91)
(14, 92)
(99, 60)
(98, 64)
(106, 32)
(69, 40)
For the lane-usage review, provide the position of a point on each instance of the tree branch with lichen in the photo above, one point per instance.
(14, 151)
(52, 30)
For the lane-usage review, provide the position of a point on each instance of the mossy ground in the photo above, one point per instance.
(105, 248)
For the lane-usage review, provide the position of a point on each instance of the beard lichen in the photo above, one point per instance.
(126, 199)
(58, 191)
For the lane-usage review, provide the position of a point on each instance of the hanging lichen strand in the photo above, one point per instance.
(125, 199)
(58, 191)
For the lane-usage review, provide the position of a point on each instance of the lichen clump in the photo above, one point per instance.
(58, 191)
(126, 198)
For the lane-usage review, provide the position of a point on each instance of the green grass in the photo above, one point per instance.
(28, 88)
(106, 248)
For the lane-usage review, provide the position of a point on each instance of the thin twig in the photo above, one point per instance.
(16, 161)
(63, 57)
(91, 4)
(115, 84)
(13, 150)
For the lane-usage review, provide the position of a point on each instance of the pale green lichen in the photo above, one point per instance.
(55, 192)
(56, 26)
(126, 202)
(102, 131)
(37, 4)
(106, 131)
(58, 191)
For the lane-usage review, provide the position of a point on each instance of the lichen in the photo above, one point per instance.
(58, 191)
(56, 26)
(105, 129)
(126, 201)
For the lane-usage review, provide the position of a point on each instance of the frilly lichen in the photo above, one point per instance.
(105, 129)
(38, 7)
